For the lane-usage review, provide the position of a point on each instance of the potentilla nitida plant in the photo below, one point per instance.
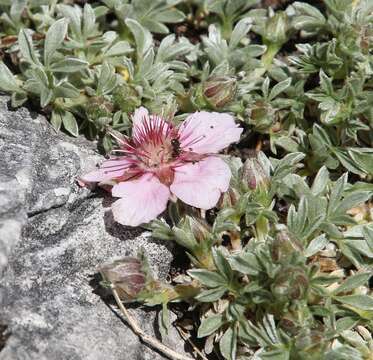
(161, 161)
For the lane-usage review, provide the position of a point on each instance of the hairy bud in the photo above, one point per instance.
(126, 98)
(256, 171)
(277, 28)
(126, 275)
(219, 90)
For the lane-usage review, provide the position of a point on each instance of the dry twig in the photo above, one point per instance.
(143, 336)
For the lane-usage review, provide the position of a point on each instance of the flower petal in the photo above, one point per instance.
(142, 200)
(109, 169)
(139, 116)
(149, 127)
(208, 132)
(201, 184)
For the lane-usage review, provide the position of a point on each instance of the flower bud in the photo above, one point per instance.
(290, 283)
(311, 341)
(219, 90)
(277, 28)
(195, 235)
(191, 232)
(200, 229)
(256, 171)
(126, 275)
(261, 116)
(99, 110)
(288, 323)
(284, 246)
(126, 98)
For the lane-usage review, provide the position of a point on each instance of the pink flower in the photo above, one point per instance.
(160, 160)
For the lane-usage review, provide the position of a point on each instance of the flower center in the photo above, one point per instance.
(156, 155)
(156, 148)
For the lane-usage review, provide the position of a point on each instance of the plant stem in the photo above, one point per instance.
(227, 28)
(153, 342)
(262, 228)
(186, 338)
(267, 59)
(269, 55)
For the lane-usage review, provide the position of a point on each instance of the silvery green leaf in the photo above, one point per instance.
(100, 11)
(253, 50)
(210, 324)
(363, 158)
(18, 98)
(73, 13)
(208, 278)
(368, 235)
(210, 295)
(155, 26)
(68, 65)
(308, 18)
(56, 120)
(107, 80)
(258, 333)
(164, 321)
(69, 123)
(7, 21)
(33, 86)
(239, 32)
(46, 96)
(332, 230)
(287, 143)
(279, 88)
(89, 20)
(265, 87)
(359, 246)
(39, 84)
(348, 162)
(337, 193)
(322, 135)
(353, 338)
(66, 90)
(222, 264)
(326, 83)
(316, 245)
(299, 219)
(142, 37)
(352, 200)
(353, 282)
(246, 263)
(169, 49)
(215, 46)
(16, 9)
(320, 182)
(364, 302)
(170, 16)
(27, 48)
(184, 238)
(118, 49)
(146, 68)
(8, 82)
(228, 343)
(54, 38)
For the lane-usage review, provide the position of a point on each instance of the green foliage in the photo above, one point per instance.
(270, 290)
(281, 268)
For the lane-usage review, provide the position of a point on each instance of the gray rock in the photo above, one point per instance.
(53, 235)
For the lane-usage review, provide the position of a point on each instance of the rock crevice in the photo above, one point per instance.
(53, 235)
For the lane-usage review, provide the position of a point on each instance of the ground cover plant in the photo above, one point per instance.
(276, 262)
